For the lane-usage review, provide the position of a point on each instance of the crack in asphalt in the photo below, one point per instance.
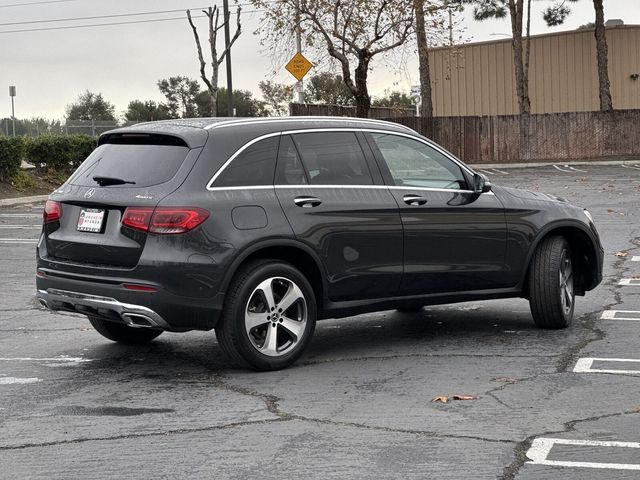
(520, 450)
(422, 355)
(141, 435)
(570, 357)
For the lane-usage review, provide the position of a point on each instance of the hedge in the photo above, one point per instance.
(62, 153)
(12, 150)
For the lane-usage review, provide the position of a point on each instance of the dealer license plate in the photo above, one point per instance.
(90, 220)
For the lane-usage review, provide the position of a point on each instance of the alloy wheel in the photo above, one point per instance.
(275, 316)
(566, 283)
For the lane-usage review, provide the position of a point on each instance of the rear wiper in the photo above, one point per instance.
(106, 181)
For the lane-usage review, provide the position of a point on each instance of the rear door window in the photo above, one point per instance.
(333, 158)
(146, 165)
(254, 166)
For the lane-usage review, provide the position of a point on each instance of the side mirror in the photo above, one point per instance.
(481, 183)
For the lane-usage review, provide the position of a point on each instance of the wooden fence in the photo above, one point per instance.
(309, 109)
(539, 138)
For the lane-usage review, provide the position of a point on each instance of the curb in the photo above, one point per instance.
(550, 164)
(8, 202)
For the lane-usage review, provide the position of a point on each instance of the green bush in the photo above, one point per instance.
(59, 152)
(12, 151)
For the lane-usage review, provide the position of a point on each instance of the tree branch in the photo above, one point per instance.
(200, 56)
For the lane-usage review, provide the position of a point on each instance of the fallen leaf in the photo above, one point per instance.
(622, 253)
(505, 379)
(610, 210)
(465, 397)
(440, 399)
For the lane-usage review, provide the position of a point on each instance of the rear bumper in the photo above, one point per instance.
(111, 301)
(104, 307)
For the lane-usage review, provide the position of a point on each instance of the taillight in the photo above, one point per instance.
(137, 218)
(52, 211)
(164, 220)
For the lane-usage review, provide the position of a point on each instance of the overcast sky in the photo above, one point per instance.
(124, 62)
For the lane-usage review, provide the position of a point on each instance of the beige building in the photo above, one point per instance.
(478, 78)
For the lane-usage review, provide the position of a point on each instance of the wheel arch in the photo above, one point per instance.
(584, 253)
(290, 251)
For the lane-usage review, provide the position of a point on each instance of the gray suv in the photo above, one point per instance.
(258, 227)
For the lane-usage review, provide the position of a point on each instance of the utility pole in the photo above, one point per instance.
(12, 94)
(299, 85)
(227, 39)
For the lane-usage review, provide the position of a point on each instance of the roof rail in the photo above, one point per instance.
(246, 121)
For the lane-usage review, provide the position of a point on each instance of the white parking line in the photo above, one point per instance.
(52, 359)
(629, 281)
(541, 447)
(585, 365)
(18, 241)
(500, 171)
(620, 315)
(560, 169)
(635, 258)
(15, 380)
(635, 167)
(38, 227)
(486, 171)
(25, 215)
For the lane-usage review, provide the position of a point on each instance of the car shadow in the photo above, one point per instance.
(466, 330)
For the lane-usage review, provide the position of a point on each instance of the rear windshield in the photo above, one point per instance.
(146, 165)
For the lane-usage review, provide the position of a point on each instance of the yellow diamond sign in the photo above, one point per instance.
(298, 66)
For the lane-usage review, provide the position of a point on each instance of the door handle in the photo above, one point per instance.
(414, 200)
(307, 202)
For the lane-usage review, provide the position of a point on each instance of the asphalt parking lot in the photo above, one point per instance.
(551, 404)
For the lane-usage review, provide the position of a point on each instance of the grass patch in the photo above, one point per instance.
(22, 181)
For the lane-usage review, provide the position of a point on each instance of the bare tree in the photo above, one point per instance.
(426, 107)
(556, 15)
(352, 33)
(485, 9)
(606, 103)
(429, 26)
(213, 14)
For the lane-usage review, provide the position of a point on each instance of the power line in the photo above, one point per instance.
(35, 3)
(67, 27)
(96, 17)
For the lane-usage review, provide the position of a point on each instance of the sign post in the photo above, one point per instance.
(12, 94)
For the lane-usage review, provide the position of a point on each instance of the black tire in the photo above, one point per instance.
(546, 284)
(240, 343)
(121, 333)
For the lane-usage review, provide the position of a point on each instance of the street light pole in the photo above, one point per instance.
(12, 94)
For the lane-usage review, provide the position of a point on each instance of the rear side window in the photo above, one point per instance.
(255, 165)
(333, 158)
(146, 165)
(290, 170)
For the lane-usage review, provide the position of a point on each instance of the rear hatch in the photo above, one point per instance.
(126, 170)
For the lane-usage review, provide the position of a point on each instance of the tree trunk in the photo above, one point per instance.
(516, 8)
(363, 100)
(606, 104)
(426, 107)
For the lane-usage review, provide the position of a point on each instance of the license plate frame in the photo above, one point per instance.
(91, 220)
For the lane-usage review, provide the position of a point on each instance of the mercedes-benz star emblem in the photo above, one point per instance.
(89, 193)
